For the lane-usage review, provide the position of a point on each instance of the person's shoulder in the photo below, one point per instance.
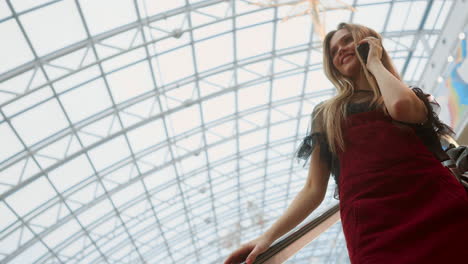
(322, 103)
(319, 107)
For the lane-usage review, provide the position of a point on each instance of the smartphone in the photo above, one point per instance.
(363, 50)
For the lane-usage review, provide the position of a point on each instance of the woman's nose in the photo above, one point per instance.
(343, 49)
(340, 52)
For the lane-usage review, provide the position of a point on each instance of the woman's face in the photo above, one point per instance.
(343, 55)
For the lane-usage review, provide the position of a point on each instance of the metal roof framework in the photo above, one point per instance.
(163, 134)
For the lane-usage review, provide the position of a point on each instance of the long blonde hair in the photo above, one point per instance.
(333, 111)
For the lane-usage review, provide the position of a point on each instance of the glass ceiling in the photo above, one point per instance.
(164, 131)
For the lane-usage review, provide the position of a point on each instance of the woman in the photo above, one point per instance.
(380, 140)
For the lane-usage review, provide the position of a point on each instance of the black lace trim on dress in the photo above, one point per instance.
(306, 148)
(433, 128)
(308, 144)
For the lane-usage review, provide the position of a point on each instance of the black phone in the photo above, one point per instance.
(363, 50)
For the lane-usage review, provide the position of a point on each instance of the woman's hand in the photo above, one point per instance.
(375, 52)
(249, 251)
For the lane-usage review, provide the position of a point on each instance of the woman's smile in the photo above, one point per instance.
(347, 58)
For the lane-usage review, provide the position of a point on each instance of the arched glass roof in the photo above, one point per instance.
(164, 131)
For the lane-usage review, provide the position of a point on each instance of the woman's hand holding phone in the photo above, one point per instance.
(363, 51)
(370, 50)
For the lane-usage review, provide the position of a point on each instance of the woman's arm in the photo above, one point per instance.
(307, 200)
(402, 103)
(304, 203)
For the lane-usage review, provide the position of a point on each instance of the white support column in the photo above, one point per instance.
(456, 22)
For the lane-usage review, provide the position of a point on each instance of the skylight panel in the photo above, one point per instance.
(174, 65)
(147, 135)
(14, 50)
(110, 225)
(212, 29)
(438, 14)
(98, 129)
(252, 139)
(218, 107)
(222, 150)
(399, 64)
(13, 240)
(284, 112)
(192, 144)
(30, 100)
(287, 87)
(95, 212)
(76, 247)
(219, 132)
(31, 253)
(62, 233)
(294, 32)
(317, 81)
(123, 60)
(280, 167)
(53, 27)
(69, 62)
(160, 179)
(86, 100)
(170, 32)
(253, 18)
(373, 16)
(263, 39)
(170, 197)
(85, 195)
(127, 194)
(40, 122)
(415, 68)
(399, 16)
(71, 173)
(4, 10)
(80, 77)
(109, 153)
(31, 196)
(335, 17)
(179, 95)
(11, 144)
(8, 217)
(199, 18)
(362, 2)
(185, 120)
(17, 173)
(149, 8)
(282, 130)
(24, 5)
(142, 219)
(214, 52)
(415, 15)
(104, 15)
(130, 82)
(20, 84)
(252, 96)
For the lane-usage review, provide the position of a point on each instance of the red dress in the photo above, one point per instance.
(398, 203)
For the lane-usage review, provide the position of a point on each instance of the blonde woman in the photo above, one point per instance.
(380, 139)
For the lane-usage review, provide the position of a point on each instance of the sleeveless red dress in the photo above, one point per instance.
(398, 203)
